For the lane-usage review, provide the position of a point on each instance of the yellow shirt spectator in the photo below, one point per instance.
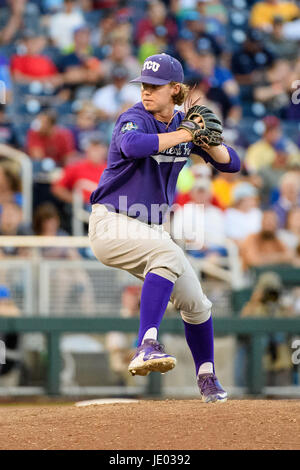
(259, 155)
(262, 14)
(222, 188)
(262, 153)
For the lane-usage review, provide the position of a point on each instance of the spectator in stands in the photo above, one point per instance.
(103, 35)
(34, 64)
(89, 12)
(290, 235)
(85, 127)
(275, 87)
(199, 226)
(113, 99)
(45, 139)
(187, 179)
(194, 25)
(46, 221)
(251, 59)
(62, 24)
(10, 182)
(265, 298)
(268, 301)
(81, 65)
(218, 76)
(11, 218)
(187, 54)
(213, 9)
(215, 17)
(222, 188)
(262, 152)
(265, 247)
(86, 172)
(278, 44)
(263, 13)
(11, 224)
(156, 23)
(289, 190)
(7, 131)
(271, 175)
(121, 54)
(14, 20)
(244, 217)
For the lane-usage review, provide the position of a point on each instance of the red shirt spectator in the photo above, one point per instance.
(89, 168)
(49, 140)
(34, 64)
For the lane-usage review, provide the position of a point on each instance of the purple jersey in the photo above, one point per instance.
(139, 180)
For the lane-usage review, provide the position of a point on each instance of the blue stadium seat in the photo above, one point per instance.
(7, 50)
(291, 129)
(21, 130)
(248, 128)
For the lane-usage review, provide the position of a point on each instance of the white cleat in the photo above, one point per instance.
(150, 357)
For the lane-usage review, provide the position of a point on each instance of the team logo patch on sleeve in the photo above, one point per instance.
(129, 126)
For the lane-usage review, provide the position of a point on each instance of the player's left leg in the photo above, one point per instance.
(195, 307)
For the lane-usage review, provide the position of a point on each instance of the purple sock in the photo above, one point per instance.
(155, 296)
(200, 339)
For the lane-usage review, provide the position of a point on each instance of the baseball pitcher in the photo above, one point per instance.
(151, 143)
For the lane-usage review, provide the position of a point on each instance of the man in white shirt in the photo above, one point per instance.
(63, 24)
(114, 99)
(244, 218)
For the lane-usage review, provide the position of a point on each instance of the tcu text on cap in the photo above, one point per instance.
(151, 65)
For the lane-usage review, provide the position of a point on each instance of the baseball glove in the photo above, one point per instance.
(208, 131)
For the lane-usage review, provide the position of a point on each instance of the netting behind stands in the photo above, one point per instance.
(82, 288)
(17, 275)
(219, 293)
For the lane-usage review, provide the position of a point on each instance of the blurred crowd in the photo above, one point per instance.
(66, 66)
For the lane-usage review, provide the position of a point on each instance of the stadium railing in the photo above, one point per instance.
(53, 328)
(226, 268)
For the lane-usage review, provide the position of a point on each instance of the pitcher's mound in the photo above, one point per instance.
(156, 425)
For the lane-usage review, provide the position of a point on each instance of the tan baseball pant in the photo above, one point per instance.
(122, 242)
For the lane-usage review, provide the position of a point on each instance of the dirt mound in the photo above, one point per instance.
(156, 425)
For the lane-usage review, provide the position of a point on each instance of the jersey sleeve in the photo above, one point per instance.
(133, 138)
(232, 167)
